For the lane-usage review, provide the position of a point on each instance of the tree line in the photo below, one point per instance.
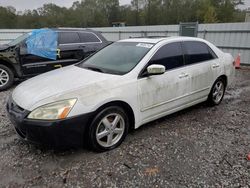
(102, 13)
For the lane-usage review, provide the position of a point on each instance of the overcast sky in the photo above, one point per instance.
(34, 4)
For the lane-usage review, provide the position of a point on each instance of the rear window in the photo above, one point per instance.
(88, 37)
(197, 52)
(68, 38)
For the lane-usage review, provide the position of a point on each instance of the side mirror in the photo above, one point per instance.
(156, 69)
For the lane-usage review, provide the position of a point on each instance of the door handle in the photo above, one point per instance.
(58, 52)
(215, 65)
(183, 75)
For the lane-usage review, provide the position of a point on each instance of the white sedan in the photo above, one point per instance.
(123, 86)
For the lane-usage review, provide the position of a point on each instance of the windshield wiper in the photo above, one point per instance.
(94, 69)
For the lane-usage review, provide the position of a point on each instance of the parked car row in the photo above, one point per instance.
(121, 87)
(73, 45)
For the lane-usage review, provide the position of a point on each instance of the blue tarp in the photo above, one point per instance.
(43, 43)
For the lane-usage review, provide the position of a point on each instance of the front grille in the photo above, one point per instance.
(14, 107)
(20, 133)
(17, 108)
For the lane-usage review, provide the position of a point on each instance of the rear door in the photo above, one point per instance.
(201, 66)
(164, 93)
(70, 48)
(90, 43)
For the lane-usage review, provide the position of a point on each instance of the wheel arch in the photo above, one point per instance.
(210, 100)
(224, 77)
(125, 106)
(10, 66)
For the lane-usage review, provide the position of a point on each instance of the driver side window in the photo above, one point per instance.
(169, 55)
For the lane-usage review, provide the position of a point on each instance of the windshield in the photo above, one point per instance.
(117, 58)
(19, 39)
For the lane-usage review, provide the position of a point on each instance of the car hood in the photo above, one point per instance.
(4, 47)
(58, 85)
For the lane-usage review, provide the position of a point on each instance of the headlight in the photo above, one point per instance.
(53, 111)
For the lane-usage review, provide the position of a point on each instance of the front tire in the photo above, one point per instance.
(6, 77)
(217, 92)
(108, 129)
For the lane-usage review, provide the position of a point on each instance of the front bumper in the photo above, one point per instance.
(69, 132)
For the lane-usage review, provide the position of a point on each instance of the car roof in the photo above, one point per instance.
(73, 29)
(143, 40)
(157, 40)
(68, 29)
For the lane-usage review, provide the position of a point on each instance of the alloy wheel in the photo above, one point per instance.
(110, 130)
(4, 77)
(218, 92)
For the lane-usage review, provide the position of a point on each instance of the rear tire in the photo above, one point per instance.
(6, 77)
(217, 92)
(108, 129)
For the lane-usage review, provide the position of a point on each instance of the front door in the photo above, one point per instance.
(32, 64)
(69, 52)
(162, 94)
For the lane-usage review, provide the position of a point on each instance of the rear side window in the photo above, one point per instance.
(197, 52)
(68, 38)
(170, 56)
(88, 37)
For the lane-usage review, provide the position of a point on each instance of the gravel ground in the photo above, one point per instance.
(198, 147)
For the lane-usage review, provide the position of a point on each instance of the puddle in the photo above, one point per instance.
(234, 94)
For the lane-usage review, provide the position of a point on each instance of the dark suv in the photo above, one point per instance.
(73, 45)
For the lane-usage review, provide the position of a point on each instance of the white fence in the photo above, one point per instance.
(230, 37)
